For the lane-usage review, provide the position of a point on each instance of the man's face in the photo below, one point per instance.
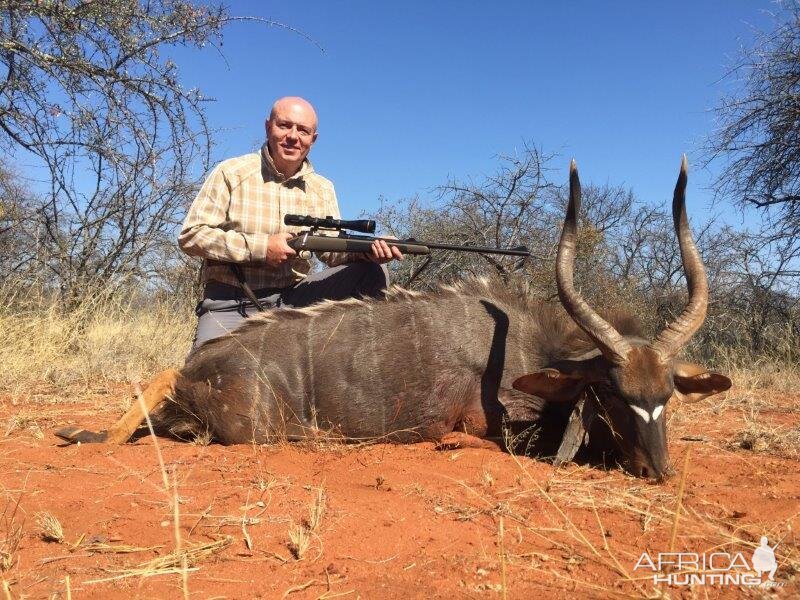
(291, 131)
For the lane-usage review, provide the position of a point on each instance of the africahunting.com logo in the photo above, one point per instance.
(713, 568)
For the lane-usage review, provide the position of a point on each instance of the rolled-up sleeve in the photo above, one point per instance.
(206, 231)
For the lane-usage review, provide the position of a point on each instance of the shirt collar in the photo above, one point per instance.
(269, 165)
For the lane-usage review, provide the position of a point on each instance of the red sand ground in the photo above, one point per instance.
(399, 521)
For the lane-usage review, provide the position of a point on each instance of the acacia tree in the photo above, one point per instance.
(758, 138)
(16, 246)
(88, 89)
(504, 210)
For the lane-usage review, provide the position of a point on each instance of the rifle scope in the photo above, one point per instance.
(364, 225)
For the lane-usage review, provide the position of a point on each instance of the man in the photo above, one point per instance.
(764, 559)
(236, 225)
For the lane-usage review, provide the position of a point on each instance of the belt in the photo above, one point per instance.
(216, 290)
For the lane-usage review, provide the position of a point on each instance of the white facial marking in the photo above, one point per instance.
(641, 412)
(657, 411)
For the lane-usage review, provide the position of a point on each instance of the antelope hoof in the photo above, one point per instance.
(75, 435)
(457, 439)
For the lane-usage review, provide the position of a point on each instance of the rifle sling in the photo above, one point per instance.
(416, 273)
(237, 271)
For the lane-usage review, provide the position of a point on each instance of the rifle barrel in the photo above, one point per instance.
(520, 251)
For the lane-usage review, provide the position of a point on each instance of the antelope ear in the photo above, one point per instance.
(551, 385)
(694, 382)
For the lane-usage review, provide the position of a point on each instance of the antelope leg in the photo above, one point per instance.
(160, 388)
(459, 439)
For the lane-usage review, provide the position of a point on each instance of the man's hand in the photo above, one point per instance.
(278, 251)
(383, 252)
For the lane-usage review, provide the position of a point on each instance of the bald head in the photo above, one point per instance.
(294, 105)
(291, 131)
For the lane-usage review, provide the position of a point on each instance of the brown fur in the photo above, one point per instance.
(455, 393)
(449, 365)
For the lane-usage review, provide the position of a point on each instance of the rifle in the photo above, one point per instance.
(308, 241)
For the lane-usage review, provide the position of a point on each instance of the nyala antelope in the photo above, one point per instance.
(449, 366)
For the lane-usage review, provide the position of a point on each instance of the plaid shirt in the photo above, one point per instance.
(241, 203)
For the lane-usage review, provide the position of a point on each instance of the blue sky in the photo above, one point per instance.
(412, 93)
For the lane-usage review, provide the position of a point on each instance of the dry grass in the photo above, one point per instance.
(178, 562)
(779, 370)
(299, 541)
(111, 338)
(103, 548)
(11, 532)
(24, 422)
(203, 438)
(764, 437)
(316, 511)
(487, 479)
(300, 535)
(50, 527)
(762, 375)
(9, 546)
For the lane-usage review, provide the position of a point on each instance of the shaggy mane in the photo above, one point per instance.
(559, 336)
